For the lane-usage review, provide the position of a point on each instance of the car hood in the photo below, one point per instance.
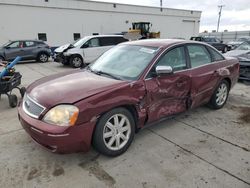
(237, 53)
(70, 87)
(234, 43)
(63, 48)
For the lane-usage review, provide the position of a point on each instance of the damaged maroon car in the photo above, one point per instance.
(132, 85)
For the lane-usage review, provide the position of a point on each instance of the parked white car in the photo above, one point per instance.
(86, 50)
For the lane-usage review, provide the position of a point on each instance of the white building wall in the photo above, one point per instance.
(59, 19)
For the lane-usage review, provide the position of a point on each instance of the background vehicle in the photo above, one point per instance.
(242, 53)
(132, 84)
(143, 28)
(213, 41)
(26, 49)
(234, 44)
(86, 50)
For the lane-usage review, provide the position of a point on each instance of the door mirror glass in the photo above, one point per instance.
(163, 70)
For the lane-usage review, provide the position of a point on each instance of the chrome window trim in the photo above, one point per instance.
(27, 112)
(191, 68)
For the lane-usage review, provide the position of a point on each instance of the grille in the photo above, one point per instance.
(31, 107)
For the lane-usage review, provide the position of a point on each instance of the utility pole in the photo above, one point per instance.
(161, 5)
(220, 9)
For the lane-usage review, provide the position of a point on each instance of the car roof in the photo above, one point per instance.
(27, 40)
(156, 42)
(97, 36)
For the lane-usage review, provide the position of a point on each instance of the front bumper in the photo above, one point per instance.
(55, 138)
(60, 58)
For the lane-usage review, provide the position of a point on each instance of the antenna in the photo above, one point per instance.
(220, 10)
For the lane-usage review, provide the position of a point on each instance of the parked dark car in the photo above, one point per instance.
(27, 49)
(234, 44)
(242, 53)
(213, 41)
(129, 86)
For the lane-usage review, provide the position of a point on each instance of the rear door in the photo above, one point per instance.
(204, 73)
(29, 48)
(168, 94)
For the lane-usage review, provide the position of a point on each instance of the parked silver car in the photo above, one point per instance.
(86, 50)
(26, 49)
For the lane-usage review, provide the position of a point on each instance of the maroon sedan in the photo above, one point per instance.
(130, 86)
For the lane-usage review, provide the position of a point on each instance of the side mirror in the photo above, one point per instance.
(85, 46)
(163, 70)
(7, 47)
(221, 41)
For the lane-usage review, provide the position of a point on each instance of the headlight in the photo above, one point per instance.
(62, 115)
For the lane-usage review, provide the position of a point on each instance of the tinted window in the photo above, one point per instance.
(93, 42)
(216, 55)
(198, 55)
(174, 58)
(108, 41)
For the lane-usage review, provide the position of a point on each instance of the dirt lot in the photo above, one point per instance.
(200, 148)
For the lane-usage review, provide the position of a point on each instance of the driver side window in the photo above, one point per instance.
(175, 58)
(14, 45)
(93, 42)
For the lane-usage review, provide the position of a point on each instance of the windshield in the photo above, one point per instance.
(244, 46)
(125, 61)
(80, 42)
(242, 39)
(7, 43)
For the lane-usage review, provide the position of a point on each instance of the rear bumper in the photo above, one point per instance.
(55, 138)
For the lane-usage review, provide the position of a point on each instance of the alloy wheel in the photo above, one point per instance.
(221, 94)
(116, 132)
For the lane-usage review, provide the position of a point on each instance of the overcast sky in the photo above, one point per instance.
(235, 15)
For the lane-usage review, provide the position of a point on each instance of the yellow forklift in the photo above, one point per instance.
(143, 28)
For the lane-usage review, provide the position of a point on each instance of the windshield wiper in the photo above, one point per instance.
(107, 74)
(103, 73)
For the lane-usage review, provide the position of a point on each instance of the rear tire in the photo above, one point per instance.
(12, 101)
(219, 98)
(114, 132)
(43, 57)
(76, 61)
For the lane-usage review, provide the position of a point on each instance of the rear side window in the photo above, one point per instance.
(215, 55)
(108, 41)
(29, 44)
(198, 55)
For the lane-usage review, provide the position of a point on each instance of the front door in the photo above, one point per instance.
(13, 50)
(168, 94)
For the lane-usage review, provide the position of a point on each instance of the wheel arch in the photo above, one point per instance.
(228, 81)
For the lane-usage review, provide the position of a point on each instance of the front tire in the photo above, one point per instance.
(220, 95)
(114, 132)
(76, 61)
